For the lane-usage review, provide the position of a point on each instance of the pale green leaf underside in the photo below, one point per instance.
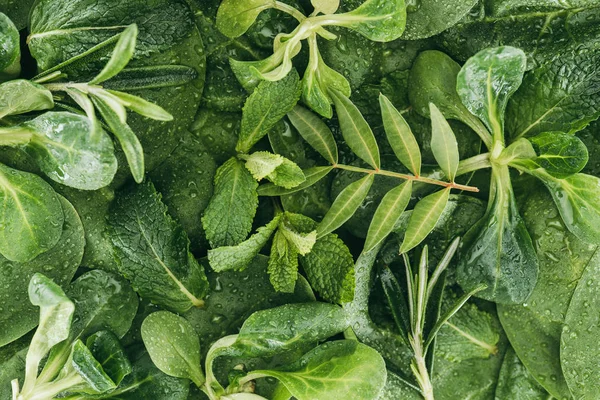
(426, 214)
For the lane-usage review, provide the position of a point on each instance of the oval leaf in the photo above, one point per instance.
(315, 132)
(561, 154)
(426, 214)
(443, 143)
(21, 96)
(377, 20)
(235, 17)
(344, 205)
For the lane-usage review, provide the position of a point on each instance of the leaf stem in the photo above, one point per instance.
(286, 8)
(408, 177)
(475, 163)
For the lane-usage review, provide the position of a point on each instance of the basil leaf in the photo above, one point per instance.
(228, 218)
(315, 132)
(235, 17)
(173, 345)
(377, 20)
(31, 219)
(560, 154)
(443, 143)
(488, 80)
(340, 368)
(148, 243)
(21, 96)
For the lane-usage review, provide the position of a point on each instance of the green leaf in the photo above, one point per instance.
(70, 150)
(283, 264)
(516, 382)
(59, 264)
(344, 205)
(235, 17)
(576, 198)
(303, 242)
(90, 370)
(269, 102)
(560, 154)
(377, 20)
(339, 369)
(153, 250)
(387, 214)
(150, 77)
(423, 219)
(263, 163)
(173, 345)
(10, 50)
(129, 141)
(397, 302)
(21, 96)
(238, 257)
(288, 175)
(518, 151)
(400, 136)
(107, 350)
(32, 218)
(121, 55)
(486, 82)
(142, 107)
(315, 132)
(357, 133)
(498, 250)
(228, 218)
(326, 6)
(569, 102)
(429, 17)
(312, 176)
(579, 338)
(443, 143)
(290, 327)
(329, 268)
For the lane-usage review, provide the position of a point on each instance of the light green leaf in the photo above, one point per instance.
(486, 82)
(153, 250)
(142, 107)
(560, 154)
(269, 102)
(377, 20)
(312, 176)
(288, 175)
(238, 257)
(426, 214)
(315, 132)
(21, 96)
(263, 163)
(302, 242)
(519, 150)
(400, 136)
(31, 219)
(344, 205)
(443, 143)
(427, 18)
(283, 264)
(228, 218)
(173, 345)
(326, 6)
(90, 370)
(340, 369)
(579, 339)
(387, 214)
(121, 55)
(129, 141)
(10, 50)
(357, 133)
(235, 17)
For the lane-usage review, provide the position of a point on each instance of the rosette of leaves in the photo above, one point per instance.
(488, 93)
(377, 20)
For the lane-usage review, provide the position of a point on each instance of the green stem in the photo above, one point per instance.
(50, 390)
(290, 10)
(480, 161)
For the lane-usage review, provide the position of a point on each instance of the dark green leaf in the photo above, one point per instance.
(107, 350)
(516, 382)
(283, 264)
(10, 50)
(429, 17)
(315, 132)
(21, 96)
(560, 154)
(397, 302)
(90, 370)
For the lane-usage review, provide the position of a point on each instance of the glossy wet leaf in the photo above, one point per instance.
(105, 348)
(423, 219)
(141, 106)
(487, 81)
(120, 57)
(356, 131)
(400, 136)
(235, 17)
(426, 18)
(340, 368)
(149, 243)
(10, 51)
(443, 143)
(173, 345)
(377, 20)
(344, 205)
(20, 96)
(228, 218)
(31, 219)
(387, 214)
(90, 370)
(283, 264)
(262, 163)
(516, 382)
(315, 132)
(560, 154)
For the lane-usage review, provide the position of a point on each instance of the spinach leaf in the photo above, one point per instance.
(17, 12)
(515, 381)
(59, 264)
(153, 248)
(20, 96)
(560, 154)
(429, 17)
(10, 53)
(90, 371)
(105, 348)
(173, 345)
(339, 368)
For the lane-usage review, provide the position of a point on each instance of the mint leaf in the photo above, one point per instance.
(153, 250)
(228, 217)
(283, 264)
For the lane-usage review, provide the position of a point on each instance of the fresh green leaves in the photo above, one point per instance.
(315, 132)
(423, 219)
(20, 96)
(560, 154)
(278, 169)
(443, 143)
(234, 17)
(121, 55)
(10, 52)
(148, 243)
(377, 20)
(173, 345)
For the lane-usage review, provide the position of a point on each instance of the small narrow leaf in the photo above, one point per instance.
(142, 107)
(121, 55)
(312, 175)
(345, 205)
(315, 132)
(387, 214)
(443, 143)
(400, 136)
(356, 131)
(423, 219)
(283, 264)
